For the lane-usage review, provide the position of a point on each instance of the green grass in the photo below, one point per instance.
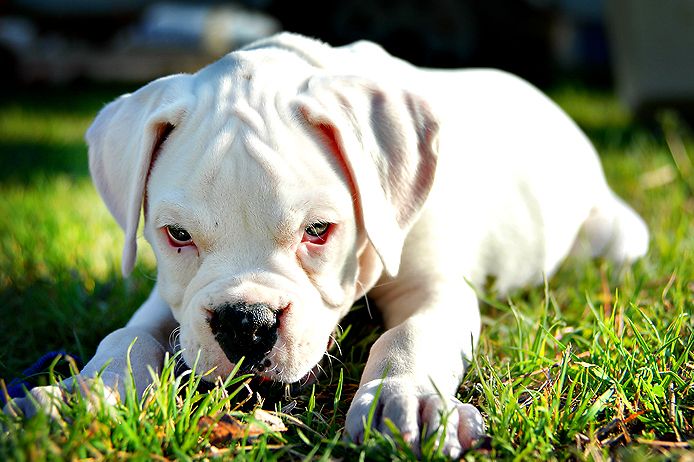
(599, 363)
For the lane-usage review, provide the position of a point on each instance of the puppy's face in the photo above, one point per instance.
(274, 194)
(256, 243)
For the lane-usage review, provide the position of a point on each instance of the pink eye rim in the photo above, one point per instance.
(317, 232)
(177, 236)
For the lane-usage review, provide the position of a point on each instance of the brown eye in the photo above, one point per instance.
(317, 229)
(317, 233)
(178, 237)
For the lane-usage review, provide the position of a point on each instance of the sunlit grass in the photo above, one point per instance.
(18, 124)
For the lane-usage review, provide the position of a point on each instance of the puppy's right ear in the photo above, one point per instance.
(123, 141)
(386, 139)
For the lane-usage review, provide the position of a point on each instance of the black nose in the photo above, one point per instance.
(245, 330)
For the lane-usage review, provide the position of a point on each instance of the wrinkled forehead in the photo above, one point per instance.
(283, 164)
(242, 143)
(244, 113)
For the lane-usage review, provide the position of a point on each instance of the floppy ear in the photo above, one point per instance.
(386, 139)
(123, 141)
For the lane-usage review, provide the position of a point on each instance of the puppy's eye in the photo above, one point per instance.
(317, 229)
(178, 237)
(317, 233)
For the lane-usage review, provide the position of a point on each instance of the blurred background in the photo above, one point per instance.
(643, 48)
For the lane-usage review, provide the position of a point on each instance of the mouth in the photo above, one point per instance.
(262, 368)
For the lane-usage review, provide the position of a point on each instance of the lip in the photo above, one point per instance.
(312, 376)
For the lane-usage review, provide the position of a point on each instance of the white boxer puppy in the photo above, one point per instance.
(286, 180)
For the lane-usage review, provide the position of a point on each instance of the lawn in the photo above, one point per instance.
(598, 363)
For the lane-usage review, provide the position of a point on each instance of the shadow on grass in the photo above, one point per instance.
(67, 312)
(81, 99)
(22, 162)
(54, 144)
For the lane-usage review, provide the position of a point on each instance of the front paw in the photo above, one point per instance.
(416, 414)
(39, 399)
(50, 400)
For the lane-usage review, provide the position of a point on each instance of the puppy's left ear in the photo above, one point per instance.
(124, 140)
(385, 138)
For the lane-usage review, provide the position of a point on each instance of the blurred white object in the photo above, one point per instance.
(653, 48)
(216, 29)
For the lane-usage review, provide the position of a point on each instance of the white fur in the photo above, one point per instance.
(433, 177)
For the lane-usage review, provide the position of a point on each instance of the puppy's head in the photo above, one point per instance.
(273, 197)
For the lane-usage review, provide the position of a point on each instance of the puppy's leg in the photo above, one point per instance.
(614, 231)
(149, 327)
(419, 363)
